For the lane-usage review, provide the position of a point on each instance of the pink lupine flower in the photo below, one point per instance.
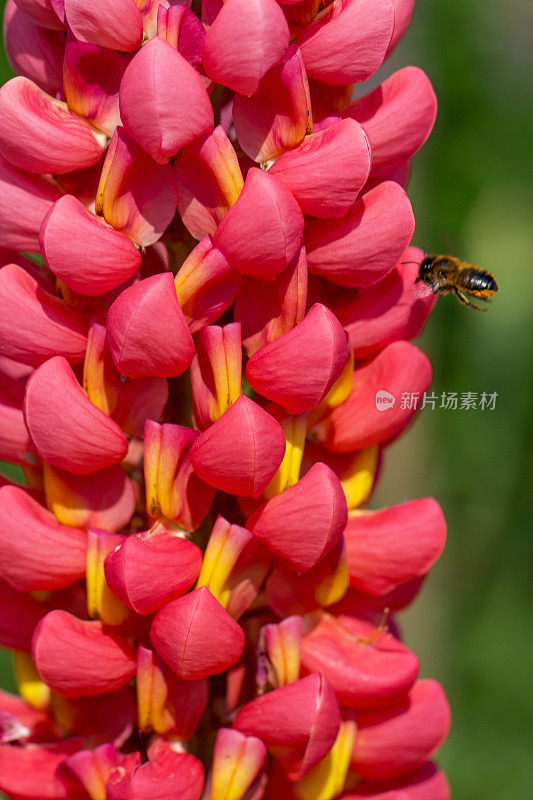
(192, 568)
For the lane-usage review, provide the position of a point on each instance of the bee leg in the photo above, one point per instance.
(439, 287)
(466, 302)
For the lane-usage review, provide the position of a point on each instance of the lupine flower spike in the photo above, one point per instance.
(206, 276)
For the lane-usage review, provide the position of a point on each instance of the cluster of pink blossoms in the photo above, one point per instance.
(192, 590)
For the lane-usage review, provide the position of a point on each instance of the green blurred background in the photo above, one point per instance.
(471, 625)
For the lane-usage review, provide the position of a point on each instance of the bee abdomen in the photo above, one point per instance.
(476, 281)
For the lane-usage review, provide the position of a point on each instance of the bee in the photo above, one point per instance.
(450, 275)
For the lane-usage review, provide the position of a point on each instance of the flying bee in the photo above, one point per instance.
(450, 275)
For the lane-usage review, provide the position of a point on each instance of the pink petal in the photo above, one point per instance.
(427, 783)
(237, 761)
(328, 100)
(41, 12)
(216, 372)
(167, 704)
(372, 606)
(33, 52)
(196, 636)
(173, 490)
(148, 570)
(15, 443)
(38, 726)
(168, 775)
(389, 547)
(136, 196)
(81, 659)
(348, 41)
(24, 200)
(397, 116)
(101, 602)
(403, 11)
(40, 134)
(209, 182)
(170, 88)
(299, 368)
(36, 551)
(104, 499)
(365, 667)
(402, 737)
(262, 233)
(109, 257)
(286, 527)
(226, 544)
(210, 9)
(88, 770)
(278, 115)
(59, 8)
(290, 593)
(399, 173)
(139, 400)
(31, 772)
(147, 332)
(279, 646)
(328, 170)
(104, 718)
(206, 285)
(116, 24)
(298, 722)
(68, 430)
(50, 326)
(240, 62)
(19, 616)
(268, 310)
(91, 80)
(241, 452)
(183, 30)
(361, 420)
(386, 311)
(364, 245)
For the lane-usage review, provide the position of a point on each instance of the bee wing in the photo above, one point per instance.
(422, 289)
